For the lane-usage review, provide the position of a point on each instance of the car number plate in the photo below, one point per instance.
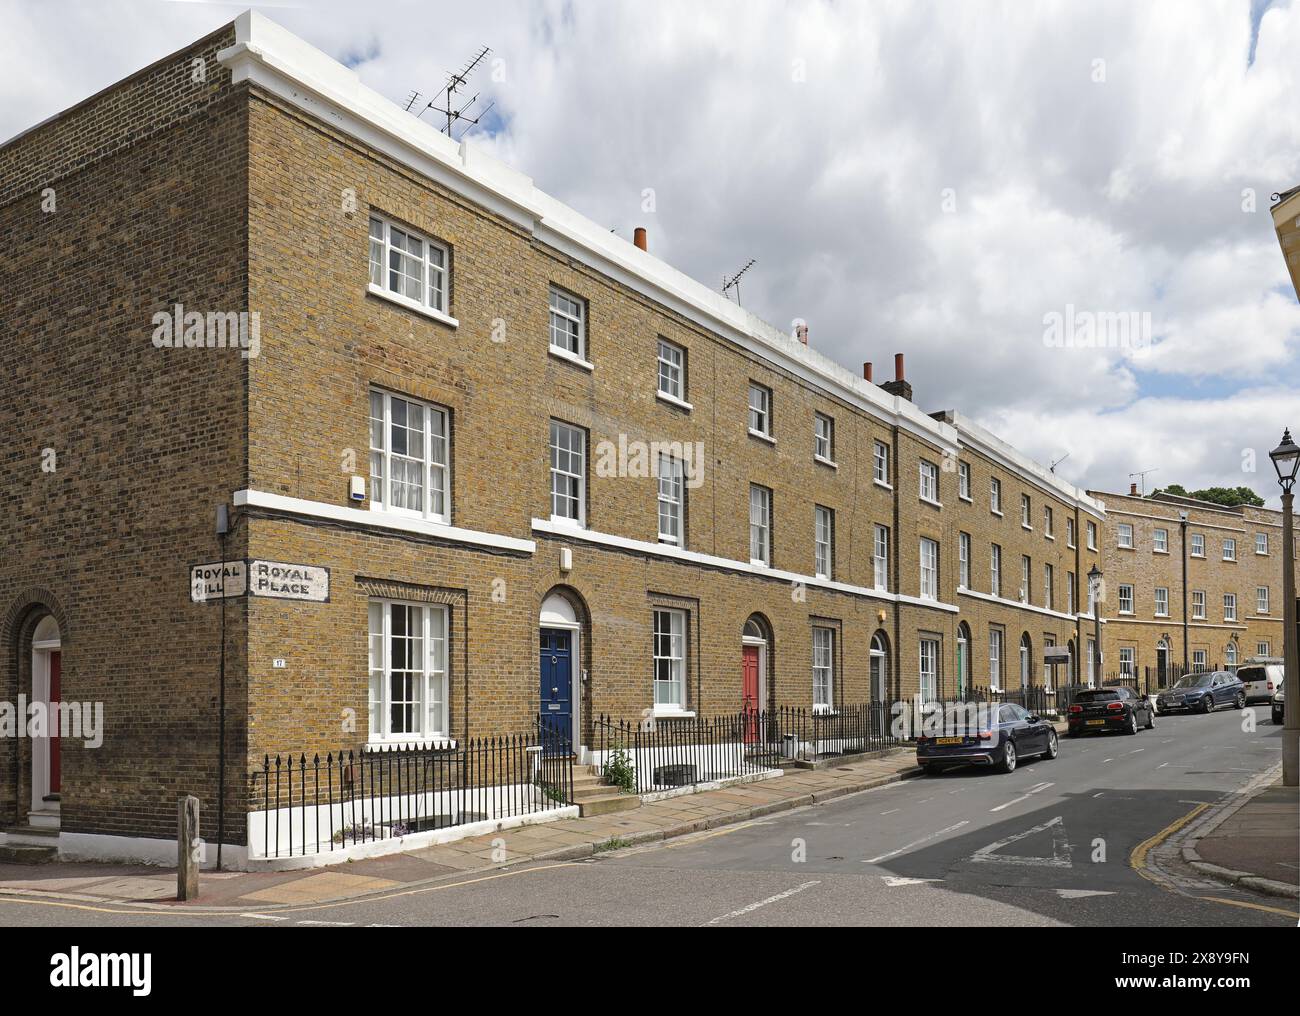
(1096, 723)
(947, 740)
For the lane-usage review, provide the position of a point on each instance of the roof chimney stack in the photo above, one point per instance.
(1132, 490)
(866, 370)
(639, 238)
(899, 386)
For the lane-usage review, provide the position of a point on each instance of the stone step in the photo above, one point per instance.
(37, 833)
(607, 805)
(26, 853)
(594, 790)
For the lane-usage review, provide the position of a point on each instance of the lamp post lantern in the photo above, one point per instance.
(1286, 460)
(1094, 590)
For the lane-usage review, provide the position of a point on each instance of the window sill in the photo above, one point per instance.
(408, 513)
(672, 713)
(829, 463)
(1155, 550)
(673, 400)
(882, 484)
(1027, 529)
(409, 304)
(573, 358)
(1050, 537)
(755, 562)
(994, 511)
(930, 501)
(1122, 547)
(574, 524)
(963, 497)
(761, 436)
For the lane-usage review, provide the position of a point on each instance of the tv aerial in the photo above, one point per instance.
(734, 281)
(453, 111)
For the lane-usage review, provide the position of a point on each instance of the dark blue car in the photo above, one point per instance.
(1203, 692)
(999, 734)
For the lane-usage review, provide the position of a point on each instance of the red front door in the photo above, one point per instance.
(56, 666)
(749, 693)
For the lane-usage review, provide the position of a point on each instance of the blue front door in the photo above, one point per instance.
(557, 679)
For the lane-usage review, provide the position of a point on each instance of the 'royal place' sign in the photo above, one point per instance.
(275, 579)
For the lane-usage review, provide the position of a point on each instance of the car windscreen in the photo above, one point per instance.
(1099, 695)
(1195, 681)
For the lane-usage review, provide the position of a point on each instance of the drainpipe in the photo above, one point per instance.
(1182, 525)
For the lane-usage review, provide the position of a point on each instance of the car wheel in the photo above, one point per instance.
(1151, 719)
(1053, 745)
(1132, 727)
(1205, 704)
(1009, 758)
(1241, 700)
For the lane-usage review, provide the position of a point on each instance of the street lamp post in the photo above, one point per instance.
(1286, 459)
(1094, 588)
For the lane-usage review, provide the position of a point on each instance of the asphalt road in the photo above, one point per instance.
(1048, 845)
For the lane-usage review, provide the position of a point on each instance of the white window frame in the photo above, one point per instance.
(671, 365)
(1161, 601)
(1127, 661)
(561, 315)
(1026, 577)
(1125, 598)
(929, 565)
(928, 481)
(1263, 649)
(995, 570)
(1069, 532)
(1198, 545)
(1230, 549)
(928, 667)
(1124, 536)
(671, 486)
(1048, 522)
(996, 639)
(1160, 541)
(824, 438)
(1070, 593)
(1049, 591)
(823, 542)
(1200, 659)
(1261, 540)
(1026, 512)
(880, 463)
(435, 277)
(1262, 603)
(1198, 604)
(762, 413)
(1092, 535)
(760, 527)
(880, 557)
(562, 472)
(963, 480)
(1230, 606)
(669, 648)
(1230, 654)
(430, 680)
(823, 668)
(963, 560)
(995, 495)
(433, 463)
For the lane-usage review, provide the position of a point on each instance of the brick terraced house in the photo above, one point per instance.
(481, 460)
(1232, 592)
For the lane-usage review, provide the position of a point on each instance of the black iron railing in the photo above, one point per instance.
(300, 805)
(661, 753)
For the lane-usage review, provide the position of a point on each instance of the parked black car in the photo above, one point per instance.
(1005, 734)
(1117, 707)
(1278, 706)
(1203, 692)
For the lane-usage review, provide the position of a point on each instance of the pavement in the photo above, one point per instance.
(567, 840)
(1253, 840)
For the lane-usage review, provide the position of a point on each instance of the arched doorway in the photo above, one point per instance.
(1230, 655)
(755, 654)
(880, 667)
(560, 657)
(1162, 662)
(47, 769)
(1026, 660)
(963, 659)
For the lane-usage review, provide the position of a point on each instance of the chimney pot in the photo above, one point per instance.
(639, 237)
(866, 370)
(899, 386)
(1133, 490)
(802, 332)
(899, 374)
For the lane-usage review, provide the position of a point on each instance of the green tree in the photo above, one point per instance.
(1229, 497)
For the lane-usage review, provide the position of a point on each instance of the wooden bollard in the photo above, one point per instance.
(189, 848)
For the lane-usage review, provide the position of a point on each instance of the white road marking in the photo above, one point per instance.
(763, 903)
(894, 881)
(1060, 848)
(1099, 793)
(1023, 797)
(1136, 750)
(1075, 894)
(891, 811)
(916, 843)
(333, 924)
(264, 917)
(1105, 760)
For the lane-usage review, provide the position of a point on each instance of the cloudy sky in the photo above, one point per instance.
(934, 178)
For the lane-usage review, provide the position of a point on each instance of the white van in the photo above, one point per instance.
(1262, 675)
